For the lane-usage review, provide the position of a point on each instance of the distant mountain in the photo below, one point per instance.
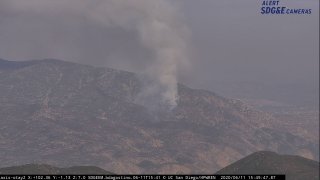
(4, 64)
(65, 114)
(265, 162)
(301, 94)
(47, 169)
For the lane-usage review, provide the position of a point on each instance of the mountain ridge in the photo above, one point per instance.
(62, 107)
(261, 162)
(266, 162)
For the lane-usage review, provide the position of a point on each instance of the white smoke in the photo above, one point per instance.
(156, 21)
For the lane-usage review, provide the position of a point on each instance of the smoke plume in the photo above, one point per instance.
(156, 22)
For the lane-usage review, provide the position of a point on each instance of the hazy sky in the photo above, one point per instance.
(231, 39)
(226, 40)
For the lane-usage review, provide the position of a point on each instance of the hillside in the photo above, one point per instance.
(65, 114)
(264, 162)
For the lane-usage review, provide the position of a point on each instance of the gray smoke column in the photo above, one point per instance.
(157, 22)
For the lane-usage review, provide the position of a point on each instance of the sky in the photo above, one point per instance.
(219, 41)
(232, 36)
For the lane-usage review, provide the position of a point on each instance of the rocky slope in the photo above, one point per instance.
(264, 162)
(65, 114)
